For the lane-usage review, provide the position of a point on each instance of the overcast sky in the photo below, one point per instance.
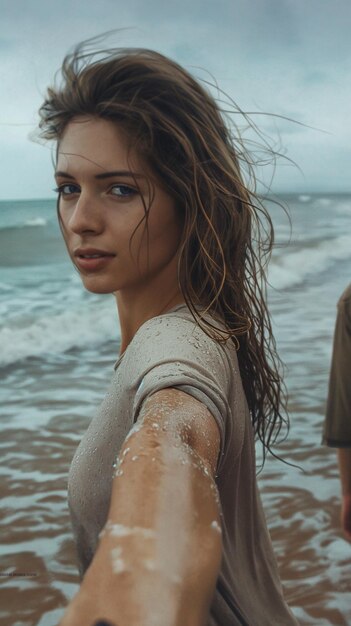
(288, 57)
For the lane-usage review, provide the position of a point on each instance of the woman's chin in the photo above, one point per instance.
(97, 287)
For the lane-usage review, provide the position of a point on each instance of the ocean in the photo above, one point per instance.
(58, 344)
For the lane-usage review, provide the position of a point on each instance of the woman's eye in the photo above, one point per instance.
(122, 191)
(67, 190)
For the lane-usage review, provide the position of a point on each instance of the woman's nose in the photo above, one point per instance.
(86, 216)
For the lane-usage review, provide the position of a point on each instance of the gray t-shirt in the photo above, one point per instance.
(172, 351)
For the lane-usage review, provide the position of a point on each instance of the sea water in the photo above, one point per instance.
(58, 344)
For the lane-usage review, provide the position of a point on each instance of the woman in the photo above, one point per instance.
(162, 489)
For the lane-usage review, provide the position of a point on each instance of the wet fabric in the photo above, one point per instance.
(337, 425)
(172, 351)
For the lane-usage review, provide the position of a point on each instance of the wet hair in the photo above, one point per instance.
(195, 151)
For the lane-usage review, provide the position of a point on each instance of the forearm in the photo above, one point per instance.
(159, 555)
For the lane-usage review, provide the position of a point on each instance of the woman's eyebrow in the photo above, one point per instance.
(60, 174)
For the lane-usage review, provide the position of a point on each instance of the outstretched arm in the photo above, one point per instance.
(159, 554)
(344, 458)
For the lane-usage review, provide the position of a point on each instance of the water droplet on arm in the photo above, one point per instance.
(216, 526)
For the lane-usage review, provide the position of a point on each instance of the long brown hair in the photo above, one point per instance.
(178, 128)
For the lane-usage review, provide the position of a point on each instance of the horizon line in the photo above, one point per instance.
(270, 193)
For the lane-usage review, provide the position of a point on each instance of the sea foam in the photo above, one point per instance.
(290, 269)
(57, 333)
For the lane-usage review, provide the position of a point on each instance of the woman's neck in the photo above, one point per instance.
(133, 312)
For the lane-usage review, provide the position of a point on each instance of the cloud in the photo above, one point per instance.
(286, 57)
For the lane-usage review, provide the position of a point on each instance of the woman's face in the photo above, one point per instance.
(103, 188)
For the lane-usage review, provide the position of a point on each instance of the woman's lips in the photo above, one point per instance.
(92, 260)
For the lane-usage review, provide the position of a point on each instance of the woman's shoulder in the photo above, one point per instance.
(177, 336)
(178, 316)
(178, 327)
